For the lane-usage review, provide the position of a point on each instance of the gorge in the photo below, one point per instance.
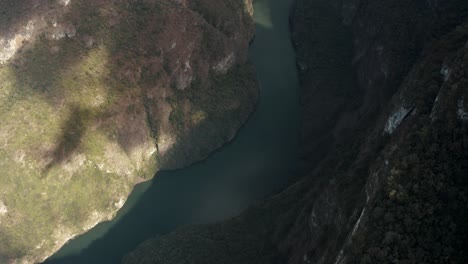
(383, 142)
(257, 162)
(352, 143)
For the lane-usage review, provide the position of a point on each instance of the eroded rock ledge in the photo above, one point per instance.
(96, 96)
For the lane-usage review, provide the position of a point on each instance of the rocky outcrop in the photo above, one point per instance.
(384, 138)
(96, 96)
(395, 62)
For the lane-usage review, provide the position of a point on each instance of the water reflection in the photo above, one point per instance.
(262, 16)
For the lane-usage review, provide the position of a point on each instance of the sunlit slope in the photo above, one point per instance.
(97, 96)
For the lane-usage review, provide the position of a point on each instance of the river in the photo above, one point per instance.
(257, 162)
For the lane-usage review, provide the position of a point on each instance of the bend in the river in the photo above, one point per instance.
(257, 162)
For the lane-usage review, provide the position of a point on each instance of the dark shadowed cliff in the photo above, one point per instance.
(385, 144)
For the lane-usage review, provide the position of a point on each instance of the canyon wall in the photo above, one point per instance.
(96, 96)
(384, 141)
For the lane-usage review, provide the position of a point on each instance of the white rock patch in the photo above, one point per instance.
(462, 114)
(395, 120)
(165, 142)
(225, 64)
(120, 203)
(41, 244)
(435, 107)
(12, 42)
(62, 31)
(75, 163)
(249, 7)
(3, 209)
(184, 80)
(445, 71)
(340, 257)
(9, 46)
(65, 2)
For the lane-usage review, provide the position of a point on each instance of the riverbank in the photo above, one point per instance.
(258, 161)
(364, 198)
(96, 96)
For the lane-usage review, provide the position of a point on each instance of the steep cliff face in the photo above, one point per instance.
(378, 151)
(385, 140)
(416, 191)
(96, 96)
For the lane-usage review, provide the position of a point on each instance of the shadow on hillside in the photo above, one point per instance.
(172, 200)
(73, 130)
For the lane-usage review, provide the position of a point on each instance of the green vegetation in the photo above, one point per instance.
(80, 118)
(419, 215)
(62, 168)
(228, 97)
(213, 112)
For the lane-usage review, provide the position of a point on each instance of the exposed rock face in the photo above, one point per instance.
(385, 138)
(96, 96)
